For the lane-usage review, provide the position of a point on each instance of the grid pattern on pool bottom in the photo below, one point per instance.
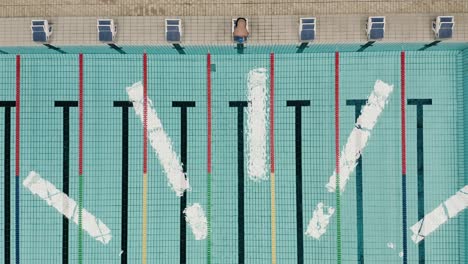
(49, 92)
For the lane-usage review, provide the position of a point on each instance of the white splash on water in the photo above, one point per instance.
(257, 125)
(67, 206)
(195, 217)
(160, 141)
(360, 134)
(320, 220)
(356, 143)
(440, 215)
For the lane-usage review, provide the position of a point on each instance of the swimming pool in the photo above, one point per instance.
(214, 150)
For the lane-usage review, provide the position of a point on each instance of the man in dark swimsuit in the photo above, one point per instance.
(240, 33)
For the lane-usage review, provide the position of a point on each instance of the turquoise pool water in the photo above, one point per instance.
(439, 75)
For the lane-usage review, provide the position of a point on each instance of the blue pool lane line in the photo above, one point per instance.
(420, 165)
(7, 180)
(124, 209)
(359, 192)
(298, 104)
(66, 170)
(240, 177)
(183, 158)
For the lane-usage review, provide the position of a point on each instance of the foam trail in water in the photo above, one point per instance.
(440, 215)
(360, 134)
(356, 143)
(195, 217)
(257, 125)
(320, 220)
(67, 206)
(160, 141)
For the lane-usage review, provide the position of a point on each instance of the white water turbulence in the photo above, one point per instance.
(160, 141)
(361, 133)
(67, 206)
(320, 220)
(440, 215)
(195, 217)
(257, 122)
(355, 145)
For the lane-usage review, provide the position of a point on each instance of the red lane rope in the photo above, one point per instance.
(17, 140)
(337, 155)
(208, 92)
(80, 140)
(145, 113)
(337, 113)
(403, 157)
(272, 112)
(403, 113)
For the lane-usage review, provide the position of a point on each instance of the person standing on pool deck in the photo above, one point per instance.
(240, 30)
